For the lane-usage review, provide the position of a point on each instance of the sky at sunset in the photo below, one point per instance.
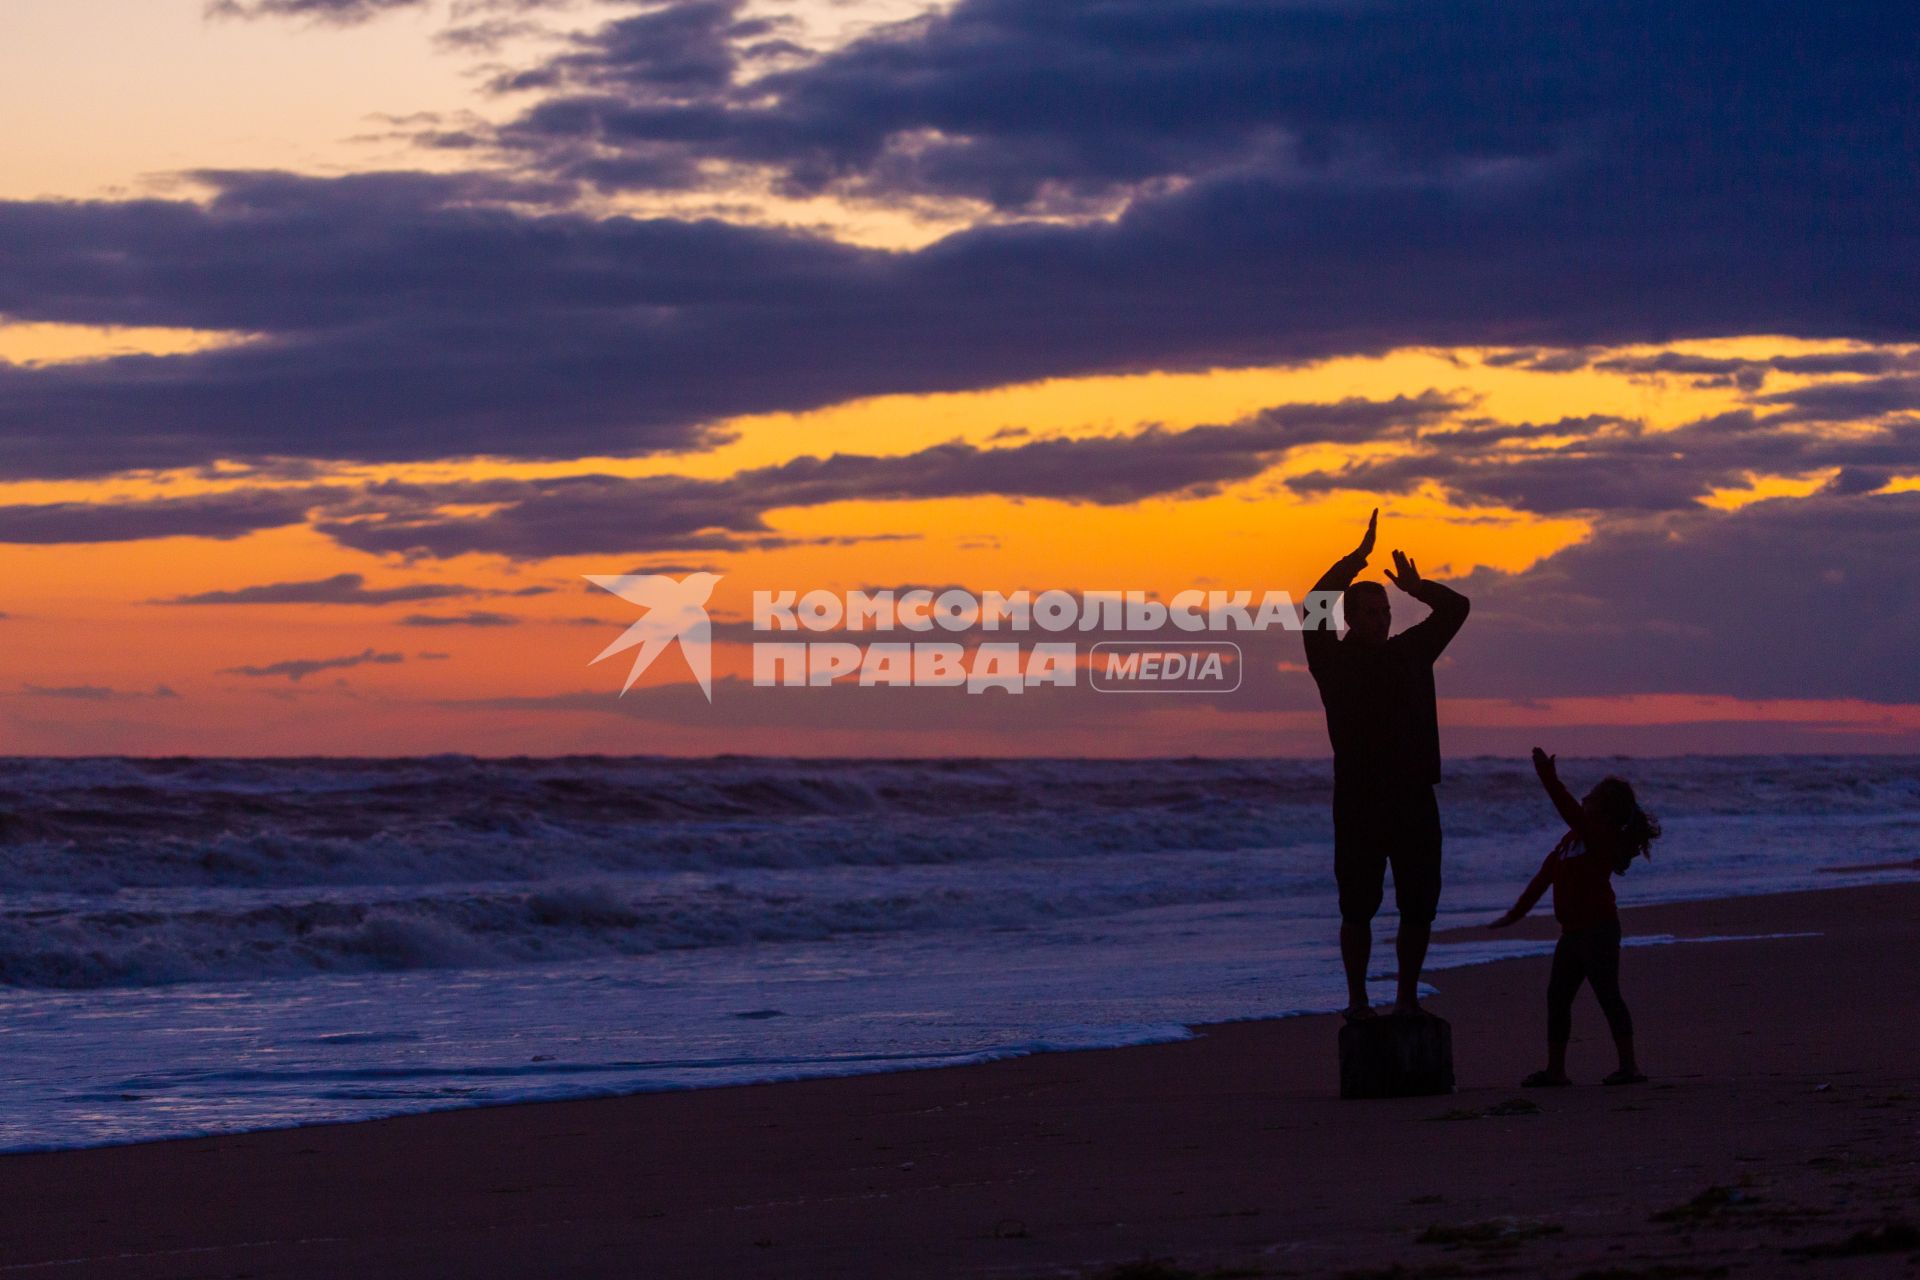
(340, 339)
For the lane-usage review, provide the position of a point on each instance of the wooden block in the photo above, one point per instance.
(1396, 1056)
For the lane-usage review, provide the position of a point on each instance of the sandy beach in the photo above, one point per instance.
(1780, 1133)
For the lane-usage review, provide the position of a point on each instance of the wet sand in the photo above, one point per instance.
(1780, 1135)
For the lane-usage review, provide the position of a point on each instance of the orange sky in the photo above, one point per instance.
(83, 618)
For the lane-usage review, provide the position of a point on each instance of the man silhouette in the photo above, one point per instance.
(1378, 693)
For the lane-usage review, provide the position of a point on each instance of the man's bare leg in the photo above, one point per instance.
(1411, 948)
(1356, 948)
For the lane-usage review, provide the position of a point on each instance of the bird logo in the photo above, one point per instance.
(675, 610)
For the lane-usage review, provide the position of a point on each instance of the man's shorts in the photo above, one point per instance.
(1377, 825)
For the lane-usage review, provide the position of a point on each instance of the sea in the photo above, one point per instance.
(198, 946)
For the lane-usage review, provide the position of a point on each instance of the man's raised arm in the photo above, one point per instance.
(1449, 607)
(1320, 640)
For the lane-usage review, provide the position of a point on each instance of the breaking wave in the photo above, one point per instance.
(122, 872)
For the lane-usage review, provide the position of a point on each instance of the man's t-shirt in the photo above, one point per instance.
(1380, 709)
(1380, 700)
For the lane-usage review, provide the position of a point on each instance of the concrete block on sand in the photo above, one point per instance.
(1396, 1056)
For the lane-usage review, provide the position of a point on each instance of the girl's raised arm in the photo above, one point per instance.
(1563, 800)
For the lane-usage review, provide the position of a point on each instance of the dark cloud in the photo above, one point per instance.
(297, 669)
(1847, 401)
(1046, 105)
(1791, 598)
(1305, 180)
(95, 692)
(1620, 467)
(484, 26)
(472, 618)
(1614, 469)
(1827, 401)
(404, 317)
(1535, 361)
(671, 568)
(339, 12)
(486, 36)
(684, 52)
(575, 515)
(569, 515)
(221, 515)
(1748, 374)
(341, 588)
(1862, 362)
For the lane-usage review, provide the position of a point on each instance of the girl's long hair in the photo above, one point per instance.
(1638, 829)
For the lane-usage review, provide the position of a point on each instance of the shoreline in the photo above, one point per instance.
(1224, 1149)
(1529, 938)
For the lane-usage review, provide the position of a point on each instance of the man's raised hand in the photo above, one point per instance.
(1408, 578)
(1543, 764)
(1365, 548)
